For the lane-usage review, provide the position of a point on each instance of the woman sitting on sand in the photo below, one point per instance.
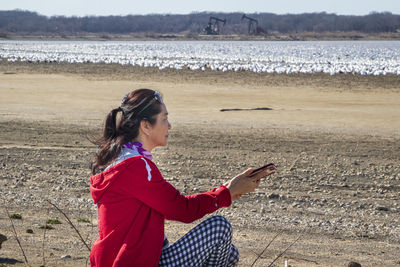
(134, 199)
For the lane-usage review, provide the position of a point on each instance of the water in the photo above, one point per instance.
(358, 57)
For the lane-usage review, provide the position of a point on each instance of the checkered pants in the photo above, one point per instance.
(208, 244)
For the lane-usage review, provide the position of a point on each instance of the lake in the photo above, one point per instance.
(333, 57)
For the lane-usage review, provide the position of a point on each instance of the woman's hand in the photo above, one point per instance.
(243, 183)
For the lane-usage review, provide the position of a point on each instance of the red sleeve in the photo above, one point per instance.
(160, 195)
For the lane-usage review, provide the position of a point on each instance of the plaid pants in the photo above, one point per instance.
(208, 244)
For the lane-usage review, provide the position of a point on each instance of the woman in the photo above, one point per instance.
(134, 199)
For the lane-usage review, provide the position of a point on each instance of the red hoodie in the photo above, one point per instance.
(133, 200)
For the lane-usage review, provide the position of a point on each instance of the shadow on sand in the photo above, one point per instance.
(243, 109)
(9, 261)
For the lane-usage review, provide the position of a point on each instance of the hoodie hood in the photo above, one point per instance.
(101, 182)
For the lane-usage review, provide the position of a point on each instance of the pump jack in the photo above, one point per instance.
(213, 27)
(253, 27)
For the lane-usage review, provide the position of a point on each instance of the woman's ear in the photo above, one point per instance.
(145, 127)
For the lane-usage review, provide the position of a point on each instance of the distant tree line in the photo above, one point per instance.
(32, 23)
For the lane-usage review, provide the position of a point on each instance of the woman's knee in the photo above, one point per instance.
(221, 226)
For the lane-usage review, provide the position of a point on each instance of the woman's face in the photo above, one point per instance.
(158, 134)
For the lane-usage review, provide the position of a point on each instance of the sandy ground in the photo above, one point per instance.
(335, 140)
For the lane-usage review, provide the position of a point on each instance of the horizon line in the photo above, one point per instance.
(199, 12)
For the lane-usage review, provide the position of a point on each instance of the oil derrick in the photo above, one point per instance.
(213, 25)
(253, 27)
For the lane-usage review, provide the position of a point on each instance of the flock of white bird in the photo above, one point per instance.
(333, 57)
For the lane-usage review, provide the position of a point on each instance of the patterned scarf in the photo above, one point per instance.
(139, 148)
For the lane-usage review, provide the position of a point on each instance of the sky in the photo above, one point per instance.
(135, 7)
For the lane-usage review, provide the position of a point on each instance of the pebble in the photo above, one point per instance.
(354, 264)
(382, 208)
(273, 196)
(296, 204)
(66, 257)
(2, 239)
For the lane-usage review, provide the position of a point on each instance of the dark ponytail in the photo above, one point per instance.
(110, 129)
(118, 130)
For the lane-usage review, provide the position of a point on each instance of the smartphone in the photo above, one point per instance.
(267, 166)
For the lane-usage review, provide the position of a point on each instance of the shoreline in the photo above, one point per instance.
(113, 71)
